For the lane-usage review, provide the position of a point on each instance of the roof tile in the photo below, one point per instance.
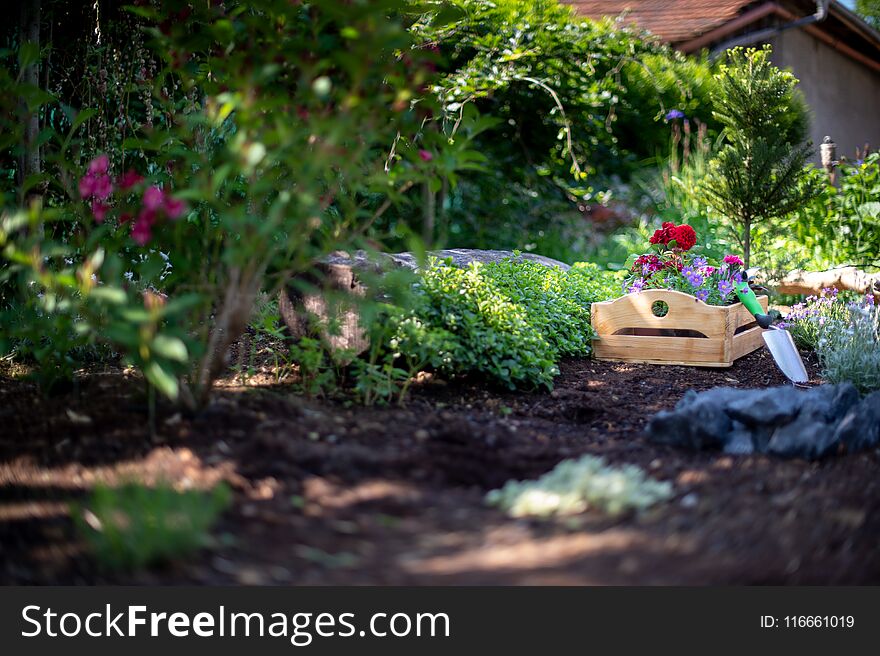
(672, 20)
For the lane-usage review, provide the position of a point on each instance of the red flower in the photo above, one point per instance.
(685, 237)
(647, 264)
(664, 234)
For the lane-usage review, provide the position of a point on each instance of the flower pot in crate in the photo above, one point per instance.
(660, 326)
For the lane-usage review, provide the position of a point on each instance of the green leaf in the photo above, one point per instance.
(109, 295)
(161, 379)
(170, 348)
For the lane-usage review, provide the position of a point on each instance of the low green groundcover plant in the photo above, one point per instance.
(676, 265)
(574, 486)
(845, 333)
(510, 320)
(134, 526)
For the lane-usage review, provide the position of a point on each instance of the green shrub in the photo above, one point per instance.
(134, 526)
(575, 102)
(494, 334)
(509, 320)
(273, 124)
(574, 486)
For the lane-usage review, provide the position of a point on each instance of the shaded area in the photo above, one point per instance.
(328, 494)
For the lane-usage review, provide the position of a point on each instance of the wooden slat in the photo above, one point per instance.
(746, 342)
(634, 311)
(681, 350)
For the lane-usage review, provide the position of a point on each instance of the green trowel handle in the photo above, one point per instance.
(747, 297)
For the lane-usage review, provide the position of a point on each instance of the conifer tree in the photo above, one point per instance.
(759, 174)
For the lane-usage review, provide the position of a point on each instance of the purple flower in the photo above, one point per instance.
(636, 286)
(699, 262)
(869, 300)
(673, 114)
(725, 287)
(692, 276)
(702, 294)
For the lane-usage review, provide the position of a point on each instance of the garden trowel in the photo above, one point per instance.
(779, 341)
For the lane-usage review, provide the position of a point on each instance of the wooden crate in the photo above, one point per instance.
(691, 333)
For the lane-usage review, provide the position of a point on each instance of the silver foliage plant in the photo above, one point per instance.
(574, 486)
(849, 347)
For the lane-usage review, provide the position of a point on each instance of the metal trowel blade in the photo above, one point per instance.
(785, 353)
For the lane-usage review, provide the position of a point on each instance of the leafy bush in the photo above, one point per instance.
(842, 225)
(509, 320)
(575, 102)
(273, 122)
(849, 349)
(134, 526)
(494, 334)
(574, 486)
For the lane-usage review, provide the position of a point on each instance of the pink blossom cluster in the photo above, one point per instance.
(155, 203)
(733, 260)
(96, 186)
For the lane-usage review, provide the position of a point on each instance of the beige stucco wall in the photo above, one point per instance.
(843, 94)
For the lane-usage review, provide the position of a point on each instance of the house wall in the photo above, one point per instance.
(843, 94)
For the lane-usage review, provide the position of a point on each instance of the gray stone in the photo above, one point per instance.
(698, 421)
(774, 406)
(860, 427)
(833, 401)
(739, 443)
(806, 437)
(783, 421)
(459, 257)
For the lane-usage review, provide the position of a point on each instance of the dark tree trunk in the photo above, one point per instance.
(30, 163)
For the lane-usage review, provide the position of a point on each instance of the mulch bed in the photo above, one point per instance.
(329, 494)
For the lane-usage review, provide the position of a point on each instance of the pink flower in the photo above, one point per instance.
(99, 210)
(733, 260)
(425, 155)
(129, 179)
(99, 165)
(103, 187)
(174, 207)
(710, 270)
(141, 230)
(86, 186)
(154, 198)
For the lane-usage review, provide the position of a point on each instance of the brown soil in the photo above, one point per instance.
(328, 494)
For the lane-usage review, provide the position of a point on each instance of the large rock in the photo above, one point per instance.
(698, 421)
(326, 302)
(783, 421)
(459, 257)
(860, 427)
